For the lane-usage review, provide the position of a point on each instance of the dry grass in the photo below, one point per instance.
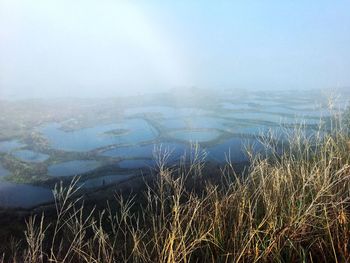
(288, 208)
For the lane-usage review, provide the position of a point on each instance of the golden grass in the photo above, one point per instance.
(287, 208)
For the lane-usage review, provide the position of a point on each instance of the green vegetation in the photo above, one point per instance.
(289, 208)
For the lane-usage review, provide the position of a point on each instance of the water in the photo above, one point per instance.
(23, 195)
(195, 122)
(72, 168)
(173, 124)
(195, 136)
(233, 150)
(105, 180)
(313, 112)
(30, 156)
(273, 118)
(91, 138)
(136, 164)
(235, 106)
(242, 118)
(282, 110)
(204, 122)
(166, 112)
(7, 146)
(146, 151)
(252, 130)
(3, 172)
(263, 102)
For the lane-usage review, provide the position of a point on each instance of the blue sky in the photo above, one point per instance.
(104, 48)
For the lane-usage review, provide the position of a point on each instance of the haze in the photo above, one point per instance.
(111, 48)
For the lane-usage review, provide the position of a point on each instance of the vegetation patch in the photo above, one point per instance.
(117, 132)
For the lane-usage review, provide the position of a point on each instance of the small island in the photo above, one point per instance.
(117, 132)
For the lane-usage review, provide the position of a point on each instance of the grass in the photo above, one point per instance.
(290, 207)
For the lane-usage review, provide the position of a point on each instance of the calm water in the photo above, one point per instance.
(104, 180)
(30, 156)
(72, 168)
(146, 151)
(236, 106)
(238, 119)
(7, 146)
(233, 150)
(206, 123)
(163, 110)
(91, 138)
(136, 164)
(195, 136)
(166, 112)
(170, 124)
(23, 195)
(274, 118)
(3, 171)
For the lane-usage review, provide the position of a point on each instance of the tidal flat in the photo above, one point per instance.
(105, 141)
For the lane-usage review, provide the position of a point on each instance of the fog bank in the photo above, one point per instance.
(111, 48)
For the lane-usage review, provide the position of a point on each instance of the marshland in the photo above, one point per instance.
(160, 131)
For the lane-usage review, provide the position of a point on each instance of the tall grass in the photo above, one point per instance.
(289, 207)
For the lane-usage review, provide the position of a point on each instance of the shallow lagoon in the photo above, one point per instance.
(204, 122)
(246, 115)
(146, 151)
(235, 106)
(71, 168)
(165, 111)
(274, 118)
(23, 195)
(173, 123)
(7, 146)
(96, 137)
(30, 156)
(3, 171)
(233, 150)
(195, 136)
(136, 164)
(252, 130)
(195, 122)
(104, 180)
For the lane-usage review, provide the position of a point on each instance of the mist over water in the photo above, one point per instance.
(93, 49)
(98, 89)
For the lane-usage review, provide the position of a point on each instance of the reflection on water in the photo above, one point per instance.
(275, 118)
(3, 171)
(23, 195)
(146, 151)
(30, 156)
(7, 146)
(136, 164)
(228, 124)
(166, 112)
(195, 136)
(170, 124)
(104, 180)
(72, 167)
(204, 122)
(96, 137)
(233, 150)
(236, 106)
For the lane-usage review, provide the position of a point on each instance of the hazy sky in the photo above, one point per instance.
(88, 48)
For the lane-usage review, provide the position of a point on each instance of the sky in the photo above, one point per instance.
(86, 48)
